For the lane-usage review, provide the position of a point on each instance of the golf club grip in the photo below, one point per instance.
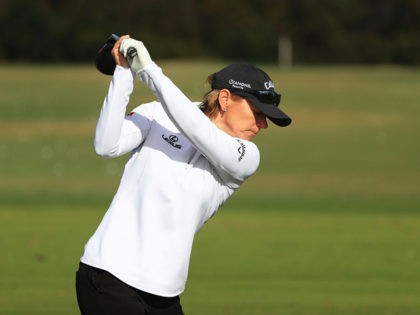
(131, 52)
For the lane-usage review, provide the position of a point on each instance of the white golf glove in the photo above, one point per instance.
(137, 58)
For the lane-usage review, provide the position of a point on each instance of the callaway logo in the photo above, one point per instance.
(172, 140)
(268, 85)
(239, 85)
(241, 150)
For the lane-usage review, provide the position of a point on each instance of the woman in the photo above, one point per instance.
(186, 160)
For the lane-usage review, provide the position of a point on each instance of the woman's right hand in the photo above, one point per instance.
(118, 56)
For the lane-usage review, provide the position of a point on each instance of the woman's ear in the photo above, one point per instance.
(224, 96)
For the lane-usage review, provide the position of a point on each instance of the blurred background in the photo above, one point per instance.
(322, 32)
(330, 223)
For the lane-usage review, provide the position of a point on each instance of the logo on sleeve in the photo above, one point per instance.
(172, 140)
(241, 150)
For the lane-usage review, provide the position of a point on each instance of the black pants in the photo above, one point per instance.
(100, 293)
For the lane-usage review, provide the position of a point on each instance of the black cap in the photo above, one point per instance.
(255, 85)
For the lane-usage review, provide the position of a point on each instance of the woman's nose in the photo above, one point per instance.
(262, 122)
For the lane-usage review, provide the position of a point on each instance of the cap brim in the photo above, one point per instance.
(275, 114)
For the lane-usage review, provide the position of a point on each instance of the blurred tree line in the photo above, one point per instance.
(322, 31)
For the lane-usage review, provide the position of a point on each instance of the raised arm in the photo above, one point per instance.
(116, 133)
(233, 158)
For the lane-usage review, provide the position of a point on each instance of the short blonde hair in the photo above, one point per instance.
(210, 105)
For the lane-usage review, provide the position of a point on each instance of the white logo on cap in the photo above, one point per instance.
(239, 85)
(269, 85)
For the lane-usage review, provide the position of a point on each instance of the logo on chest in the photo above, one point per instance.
(172, 140)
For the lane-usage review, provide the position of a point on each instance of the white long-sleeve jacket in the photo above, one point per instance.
(181, 169)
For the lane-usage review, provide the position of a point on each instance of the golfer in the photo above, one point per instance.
(186, 159)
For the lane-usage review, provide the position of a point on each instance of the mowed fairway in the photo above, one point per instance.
(330, 224)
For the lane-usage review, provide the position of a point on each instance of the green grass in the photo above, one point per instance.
(328, 225)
